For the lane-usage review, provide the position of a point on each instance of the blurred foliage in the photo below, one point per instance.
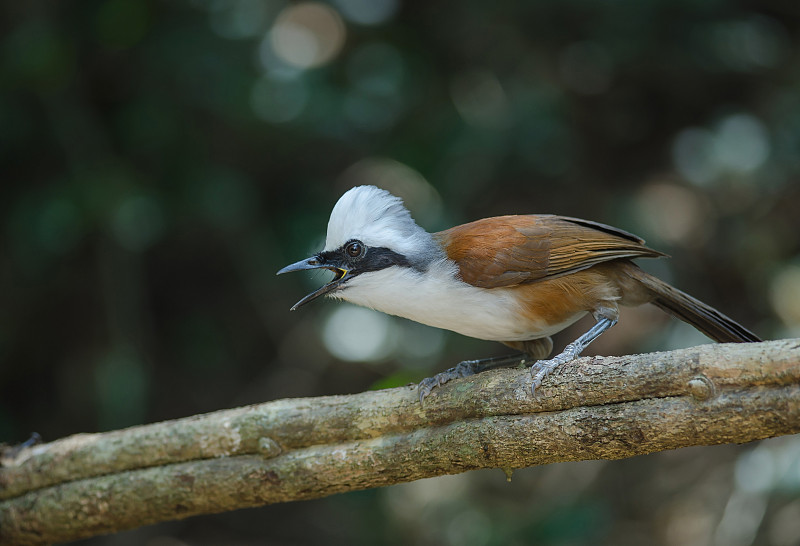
(161, 160)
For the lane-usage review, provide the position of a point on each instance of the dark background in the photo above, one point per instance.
(160, 161)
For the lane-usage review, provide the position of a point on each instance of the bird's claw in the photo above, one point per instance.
(426, 386)
(462, 369)
(539, 371)
(543, 368)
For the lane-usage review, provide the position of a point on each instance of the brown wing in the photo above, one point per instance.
(510, 250)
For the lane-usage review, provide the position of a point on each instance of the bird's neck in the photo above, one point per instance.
(426, 252)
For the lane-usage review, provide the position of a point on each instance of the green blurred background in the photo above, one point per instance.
(162, 160)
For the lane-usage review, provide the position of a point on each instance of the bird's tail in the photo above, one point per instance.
(681, 305)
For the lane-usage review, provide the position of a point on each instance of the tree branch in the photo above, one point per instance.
(597, 408)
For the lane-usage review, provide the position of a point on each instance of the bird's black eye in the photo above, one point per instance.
(354, 249)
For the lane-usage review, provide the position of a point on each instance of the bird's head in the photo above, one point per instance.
(369, 230)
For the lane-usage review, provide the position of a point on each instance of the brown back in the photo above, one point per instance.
(512, 250)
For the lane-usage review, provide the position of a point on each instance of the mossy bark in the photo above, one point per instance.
(597, 408)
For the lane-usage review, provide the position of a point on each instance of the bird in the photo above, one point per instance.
(515, 279)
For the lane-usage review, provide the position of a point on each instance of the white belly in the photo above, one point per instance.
(437, 298)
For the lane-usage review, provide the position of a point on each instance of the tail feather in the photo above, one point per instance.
(705, 318)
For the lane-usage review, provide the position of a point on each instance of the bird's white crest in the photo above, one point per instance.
(378, 219)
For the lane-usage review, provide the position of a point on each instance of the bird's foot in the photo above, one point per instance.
(542, 368)
(9, 453)
(462, 369)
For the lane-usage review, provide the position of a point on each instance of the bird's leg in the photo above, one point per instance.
(467, 368)
(11, 452)
(543, 368)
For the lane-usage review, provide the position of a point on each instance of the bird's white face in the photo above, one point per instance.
(369, 231)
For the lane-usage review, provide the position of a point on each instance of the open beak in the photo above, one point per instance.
(339, 276)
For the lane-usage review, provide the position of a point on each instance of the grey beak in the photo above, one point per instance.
(340, 276)
(302, 265)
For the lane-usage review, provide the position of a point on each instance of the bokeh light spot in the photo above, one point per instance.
(757, 42)
(692, 153)
(358, 334)
(415, 501)
(470, 527)
(401, 180)
(739, 144)
(742, 143)
(741, 519)
(755, 471)
(674, 213)
(480, 99)
(308, 35)
(421, 344)
(276, 67)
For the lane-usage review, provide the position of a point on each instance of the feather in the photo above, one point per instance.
(512, 250)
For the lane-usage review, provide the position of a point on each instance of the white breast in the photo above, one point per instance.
(438, 298)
